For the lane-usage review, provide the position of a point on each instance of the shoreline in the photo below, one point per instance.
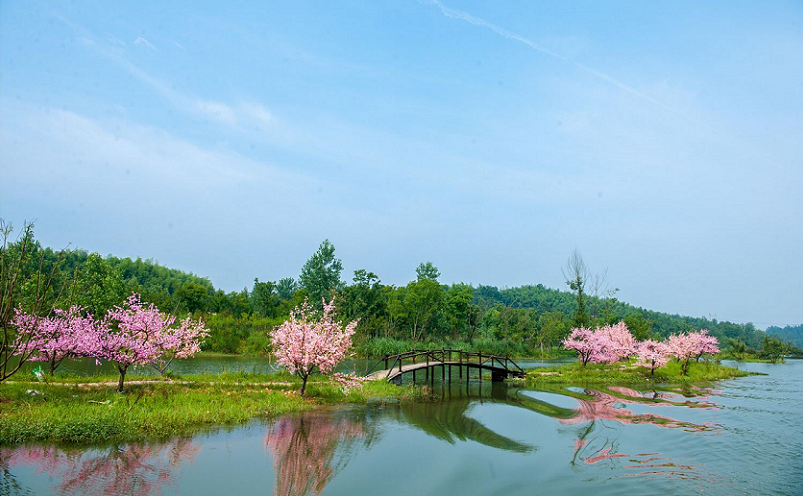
(88, 410)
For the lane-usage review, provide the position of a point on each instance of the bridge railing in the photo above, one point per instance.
(443, 356)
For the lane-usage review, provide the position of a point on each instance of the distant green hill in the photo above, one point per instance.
(788, 333)
(545, 299)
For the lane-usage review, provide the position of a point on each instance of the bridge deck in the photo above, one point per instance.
(409, 367)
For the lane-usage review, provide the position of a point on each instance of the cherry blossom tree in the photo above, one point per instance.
(708, 345)
(683, 347)
(692, 345)
(653, 354)
(305, 343)
(615, 343)
(584, 342)
(136, 334)
(129, 335)
(53, 339)
(179, 342)
(606, 344)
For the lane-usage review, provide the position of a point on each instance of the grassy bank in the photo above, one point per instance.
(88, 410)
(630, 374)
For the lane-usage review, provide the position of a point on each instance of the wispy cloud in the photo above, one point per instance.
(465, 16)
(231, 115)
(217, 111)
(115, 40)
(142, 41)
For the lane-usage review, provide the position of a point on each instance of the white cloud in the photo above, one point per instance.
(217, 111)
(115, 40)
(464, 16)
(258, 114)
(142, 41)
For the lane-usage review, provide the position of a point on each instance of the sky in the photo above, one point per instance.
(662, 140)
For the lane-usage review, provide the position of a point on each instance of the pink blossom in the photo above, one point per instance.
(135, 334)
(653, 354)
(606, 344)
(53, 339)
(304, 343)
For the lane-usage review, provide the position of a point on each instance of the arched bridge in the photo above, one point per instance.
(425, 361)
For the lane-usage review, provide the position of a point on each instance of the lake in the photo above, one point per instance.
(741, 436)
(212, 364)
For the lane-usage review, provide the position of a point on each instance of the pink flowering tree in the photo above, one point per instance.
(683, 347)
(129, 335)
(136, 334)
(653, 354)
(53, 339)
(708, 345)
(179, 342)
(606, 344)
(305, 344)
(583, 341)
(615, 343)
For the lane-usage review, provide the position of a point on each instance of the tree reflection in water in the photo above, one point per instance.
(136, 469)
(310, 448)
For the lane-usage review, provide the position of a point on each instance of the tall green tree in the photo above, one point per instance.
(320, 276)
(286, 288)
(426, 270)
(422, 304)
(577, 274)
(364, 301)
(264, 299)
(99, 286)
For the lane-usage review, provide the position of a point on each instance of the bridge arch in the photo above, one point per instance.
(395, 366)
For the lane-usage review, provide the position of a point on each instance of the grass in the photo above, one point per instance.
(630, 374)
(73, 411)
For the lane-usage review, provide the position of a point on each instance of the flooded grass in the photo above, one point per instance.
(88, 410)
(629, 374)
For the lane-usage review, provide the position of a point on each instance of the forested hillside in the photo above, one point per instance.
(518, 320)
(794, 334)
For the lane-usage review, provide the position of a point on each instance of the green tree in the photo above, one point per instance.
(286, 288)
(577, 274)
(773, 349)
(320, 276)
(364, 301)
(640, 327)
(427, 271)
(264, 299)
(193, 297)
(552, 327)
(460, 311)
(99, 286)
(422, 303)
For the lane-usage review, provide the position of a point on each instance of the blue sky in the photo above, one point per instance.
(663, 140)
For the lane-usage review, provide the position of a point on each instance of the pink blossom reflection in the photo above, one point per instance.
(136, 469)
(603, 406)
(305, 451)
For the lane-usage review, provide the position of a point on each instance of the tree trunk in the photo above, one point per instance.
(122, 377)
(304, 383)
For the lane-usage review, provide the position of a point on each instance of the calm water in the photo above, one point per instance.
(744, 436)
(218, 364)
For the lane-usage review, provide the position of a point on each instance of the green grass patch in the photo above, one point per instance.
(83, 411)
(631, 374)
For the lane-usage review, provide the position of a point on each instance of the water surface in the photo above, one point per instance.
(741, 436)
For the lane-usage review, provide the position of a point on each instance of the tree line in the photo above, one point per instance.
(525, 320)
